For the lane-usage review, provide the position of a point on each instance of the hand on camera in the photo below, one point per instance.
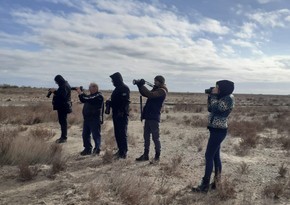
(52, 90)
(215, 90)
(141, 83)
(78, 89)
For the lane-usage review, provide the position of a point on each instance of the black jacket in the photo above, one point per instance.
(62, 96)
(93, 105)
(156, 97)
(120, 98)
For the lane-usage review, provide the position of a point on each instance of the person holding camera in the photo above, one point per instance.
(92, 114)
(220, 104)
(62, 103)
(120, 100)
(151, 113)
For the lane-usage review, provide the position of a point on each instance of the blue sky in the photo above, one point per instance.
(192, 44)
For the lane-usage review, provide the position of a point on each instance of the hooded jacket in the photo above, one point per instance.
(120, 98)
(156, 97)
(62, 96)
(220, 105)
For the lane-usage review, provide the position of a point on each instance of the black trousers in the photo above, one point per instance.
(91, 126)
(120, 129)
(62, 119)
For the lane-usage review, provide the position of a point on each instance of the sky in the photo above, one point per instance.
(192, 43)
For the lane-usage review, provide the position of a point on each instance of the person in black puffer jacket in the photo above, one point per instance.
(62, 104)
(120, 100)
(220, 105)
(151, 113)
(92, 113)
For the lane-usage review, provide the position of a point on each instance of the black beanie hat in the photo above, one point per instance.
(160, 79)
(226, 87)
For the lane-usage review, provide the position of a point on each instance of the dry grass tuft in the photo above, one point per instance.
(95, 192)
(226, 189)
(274, 190)
(243, 168)
(42, 133)
(27, 173)
(283, 171)
(131, 189)
(108, 156)
(172, 167)
(285, 141)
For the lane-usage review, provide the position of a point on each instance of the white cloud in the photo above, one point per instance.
(273, 18)
(138, 39)
(247, 30)
(266, 1)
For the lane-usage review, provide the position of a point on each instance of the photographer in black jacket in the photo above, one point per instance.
(151, 113)
(92, 111)
(62, 103)
(120, 100)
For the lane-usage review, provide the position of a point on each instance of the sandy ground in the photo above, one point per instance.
(83, 174)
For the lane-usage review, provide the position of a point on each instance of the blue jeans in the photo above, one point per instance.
(91, 126)
(212, 154)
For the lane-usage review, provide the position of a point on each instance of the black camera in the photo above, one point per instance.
(108, 107)
(208, 91)
(75, 88)
(49, 94)
(135, 82)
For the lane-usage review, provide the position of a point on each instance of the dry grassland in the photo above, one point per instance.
(35, 170)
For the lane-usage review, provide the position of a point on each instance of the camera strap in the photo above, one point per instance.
(141, 108)
(102, 115)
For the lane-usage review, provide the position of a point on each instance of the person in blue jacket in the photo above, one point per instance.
(92, 114)
(220, 104)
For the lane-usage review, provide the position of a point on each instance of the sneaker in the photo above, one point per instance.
(60, 140)
(96, 151)
(142, 158)
(86, 152)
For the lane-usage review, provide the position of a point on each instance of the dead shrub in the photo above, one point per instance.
(274, 190)
(226, 189)
(283, 171)
(42, 133)
(95, 192)
(164, 187)
(243, 168)
(6, 138)
(172, 167)
(131, 189)
(285, 141)
(58, 165)
(108, 157)
(245, 129)
(27, 173)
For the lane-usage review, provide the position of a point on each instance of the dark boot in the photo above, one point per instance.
(60, 140)
(203, 187)
(215, 182)
(157, 156)
(86, 152)
(96, 151)
(143, 157)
